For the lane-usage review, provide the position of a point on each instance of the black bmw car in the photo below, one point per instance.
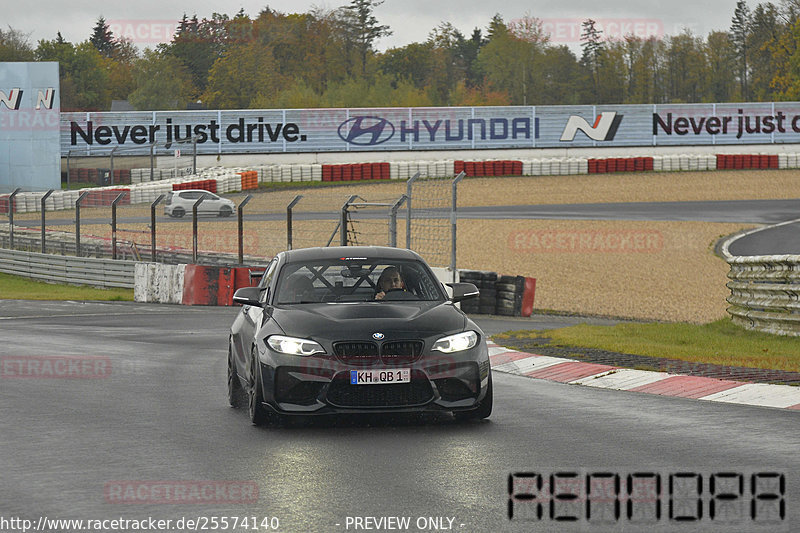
(355, 330)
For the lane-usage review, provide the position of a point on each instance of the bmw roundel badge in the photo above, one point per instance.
(378, 336)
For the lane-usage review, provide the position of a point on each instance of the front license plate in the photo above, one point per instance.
(373, 377)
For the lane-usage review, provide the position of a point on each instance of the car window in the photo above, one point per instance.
(266, 278)
(190, 195)
(354, 281)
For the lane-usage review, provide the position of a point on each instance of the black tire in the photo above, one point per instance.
(469, 276)
(486, 309)
(225, 211)
(506, 295)
(178, 212)
(508, 287)
(507, 279)
(489, 276)
(235, 392)
(482, 411)
(504, 311)
(258, 416)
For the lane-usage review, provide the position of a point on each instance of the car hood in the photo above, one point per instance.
(355, 321)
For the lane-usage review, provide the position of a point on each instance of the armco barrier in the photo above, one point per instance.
(68, 269)
(765, 293)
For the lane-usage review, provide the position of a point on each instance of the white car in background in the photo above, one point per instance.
(180, 202)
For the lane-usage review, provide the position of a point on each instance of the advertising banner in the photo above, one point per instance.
(29, 126)
(446, 128)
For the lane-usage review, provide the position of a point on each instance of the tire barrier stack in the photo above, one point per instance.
(249, 180)
(765, 293)
(356, 172)
(752, 161)
(500, 295)
(142, 190)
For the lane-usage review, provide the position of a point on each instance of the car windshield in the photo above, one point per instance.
(344, 280)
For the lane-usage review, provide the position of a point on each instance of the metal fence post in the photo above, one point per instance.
(69, 153)
(240, 233)
(11, 206)
(78, 222)
(393, 221)
(289, 220)
(194, 158)
(152, 160)
(111, 171)
(194, 228)
(454, 223)
(114, 224)
(409, 186)
(153, 227)
(343, 221)
(45, 197)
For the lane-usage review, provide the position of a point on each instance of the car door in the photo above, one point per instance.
(211, 204)
(250, 319)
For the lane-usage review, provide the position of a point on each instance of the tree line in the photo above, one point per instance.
(327, 58)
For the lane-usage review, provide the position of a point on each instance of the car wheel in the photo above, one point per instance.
(178, 212)
(258, 416)
(225, 211)
(235, 391)
(483, 410)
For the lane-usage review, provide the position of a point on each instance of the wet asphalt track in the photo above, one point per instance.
(160, 415)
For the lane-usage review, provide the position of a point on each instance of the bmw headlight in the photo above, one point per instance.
(294, 346)
(457, 342)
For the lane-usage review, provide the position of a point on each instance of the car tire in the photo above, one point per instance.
(235, 391)
(258, 415)
(178, 212)
(225, 211)
(482, 411)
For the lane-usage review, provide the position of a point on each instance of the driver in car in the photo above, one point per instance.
(389, 280)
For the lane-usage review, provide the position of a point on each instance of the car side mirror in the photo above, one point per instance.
(248, 296)
(463, 291)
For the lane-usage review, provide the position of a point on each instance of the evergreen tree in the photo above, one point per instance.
(103, 39)
(739, 32)
(366, 28)
(592, 47)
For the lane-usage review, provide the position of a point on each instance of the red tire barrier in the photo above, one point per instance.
(4, 201)
(211, 285)
(528, 296)
(459, 167)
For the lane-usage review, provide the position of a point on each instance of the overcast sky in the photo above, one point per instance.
(148, 22)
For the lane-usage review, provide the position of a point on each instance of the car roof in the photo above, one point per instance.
(193, 190)
(337, 252)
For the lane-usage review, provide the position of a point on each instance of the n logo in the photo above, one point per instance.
(604, 128)
(46, 98)
(12, 99)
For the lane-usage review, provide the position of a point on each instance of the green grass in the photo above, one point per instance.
(720, 342)
(20, 288)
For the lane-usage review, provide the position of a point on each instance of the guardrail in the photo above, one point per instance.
(68, 269)
(765, 293)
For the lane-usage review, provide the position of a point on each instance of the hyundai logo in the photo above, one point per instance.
(366, 131)
(378, 336)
